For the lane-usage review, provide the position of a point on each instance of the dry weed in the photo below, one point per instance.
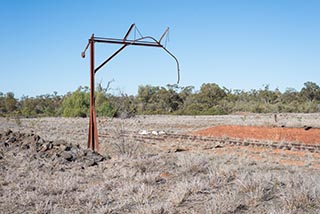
(144, 180)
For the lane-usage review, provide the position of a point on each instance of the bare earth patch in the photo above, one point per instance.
(307, 135)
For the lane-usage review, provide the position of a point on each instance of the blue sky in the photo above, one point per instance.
(239, 44)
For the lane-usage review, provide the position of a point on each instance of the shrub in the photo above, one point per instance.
(76, 104)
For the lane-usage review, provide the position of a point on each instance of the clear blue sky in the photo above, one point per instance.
(239, 44)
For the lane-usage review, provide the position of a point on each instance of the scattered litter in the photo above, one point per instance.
(153, 132)
(144, 132)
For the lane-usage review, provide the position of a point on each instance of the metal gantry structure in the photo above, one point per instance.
(148, 41)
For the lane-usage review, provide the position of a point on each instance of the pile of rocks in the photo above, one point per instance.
(61, 152)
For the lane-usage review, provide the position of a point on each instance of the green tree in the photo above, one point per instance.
(76, 104)
(310, 91)
(147, 97)
(290, 95)
(10, 102)
(2, 104)
(28, 106)
(210, 94)
(124, 106)
(268, 96)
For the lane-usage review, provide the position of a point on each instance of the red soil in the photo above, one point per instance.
(277, 134)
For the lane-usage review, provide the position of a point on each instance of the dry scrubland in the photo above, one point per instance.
(48, 169)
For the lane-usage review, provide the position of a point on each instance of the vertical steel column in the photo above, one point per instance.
(93, 131)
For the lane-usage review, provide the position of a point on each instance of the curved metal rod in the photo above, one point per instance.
(175, 58)
(146, 37)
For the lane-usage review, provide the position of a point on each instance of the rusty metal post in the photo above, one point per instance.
(93, 131)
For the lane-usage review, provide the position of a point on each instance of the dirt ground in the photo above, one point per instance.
(306, 135)
(46, 168)
(289, 127)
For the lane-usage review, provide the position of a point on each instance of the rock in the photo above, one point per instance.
(91, 163)
(58, 142)
(25, 147)
(50, 145)
(58, 154)
(99, 158)
(90, 157)
(88, 152)
(43, 148)
(208, 148)
(41, 141)
(30, 188)
(8, 132)
(12, 140)
(95, 156)
(180, 150)
(37, 138)
(307, 128)
(218, 146)
(67, 156)
(160, 180)
(75, 148)
(240, 208)
(62, 147)
(46, 147)
(67, 148)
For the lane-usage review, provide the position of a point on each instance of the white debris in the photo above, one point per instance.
(162, 132)
(144, 132)
(154, 133)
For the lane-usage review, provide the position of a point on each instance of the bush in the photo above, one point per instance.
(76, 104)
(211, 99)
(105, 109)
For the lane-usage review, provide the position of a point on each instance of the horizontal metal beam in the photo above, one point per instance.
(127, 42)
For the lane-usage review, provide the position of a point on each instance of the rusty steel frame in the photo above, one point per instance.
(93, 130)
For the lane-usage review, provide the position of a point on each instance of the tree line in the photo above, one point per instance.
(210, 99)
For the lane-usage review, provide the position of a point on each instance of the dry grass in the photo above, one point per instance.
(142, 177)
(193, 184)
